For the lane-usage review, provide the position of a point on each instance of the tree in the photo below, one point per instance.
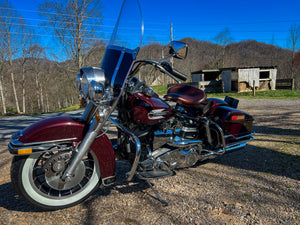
(10, 26)
(293, 44)
(3, 56)
(75, 24)
(24, 43)
(37, 55)
(223, 38)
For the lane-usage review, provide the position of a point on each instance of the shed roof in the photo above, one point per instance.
(232, 69)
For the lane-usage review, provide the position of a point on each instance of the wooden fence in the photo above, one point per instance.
(285, 84)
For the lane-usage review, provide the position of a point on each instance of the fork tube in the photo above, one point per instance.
(89, 112)
(83, 148)
(87, 141)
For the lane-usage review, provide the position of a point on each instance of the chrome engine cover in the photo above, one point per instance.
(180, 158)
(179, 153)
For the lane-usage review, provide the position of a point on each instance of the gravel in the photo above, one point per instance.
(257, 185)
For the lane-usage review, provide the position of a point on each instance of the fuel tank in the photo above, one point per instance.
(148, 110)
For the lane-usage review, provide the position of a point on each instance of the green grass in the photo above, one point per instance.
(278, 94)
(70, 108)
(160, 89)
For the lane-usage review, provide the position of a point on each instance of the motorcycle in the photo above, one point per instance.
(59, 162)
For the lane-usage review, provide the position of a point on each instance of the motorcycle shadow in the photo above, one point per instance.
(11, 201)
(262, 160)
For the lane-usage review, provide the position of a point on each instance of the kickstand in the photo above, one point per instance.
(157, 195)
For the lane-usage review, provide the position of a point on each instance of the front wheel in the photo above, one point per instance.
(37, 179)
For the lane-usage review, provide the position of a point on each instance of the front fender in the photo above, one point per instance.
(53, 129)
(57, 130)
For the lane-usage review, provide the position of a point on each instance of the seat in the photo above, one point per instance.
(185, 95)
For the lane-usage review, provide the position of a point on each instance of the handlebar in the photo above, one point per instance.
(174, 72)
(163, 67)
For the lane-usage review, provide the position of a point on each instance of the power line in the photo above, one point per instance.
(150, 29)
(162, 22)
(238, 23)
(35, 11)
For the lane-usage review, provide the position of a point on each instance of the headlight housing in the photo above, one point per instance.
(90, 83)
(96, 90)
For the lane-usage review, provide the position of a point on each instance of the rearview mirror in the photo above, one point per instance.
(178, 49)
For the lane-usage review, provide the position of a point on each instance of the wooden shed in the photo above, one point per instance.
(235, 79)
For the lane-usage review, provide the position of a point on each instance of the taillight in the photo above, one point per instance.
(238, 117)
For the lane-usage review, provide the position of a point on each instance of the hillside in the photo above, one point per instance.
(50, 85)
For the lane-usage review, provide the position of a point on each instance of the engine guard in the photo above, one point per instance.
(49, 133)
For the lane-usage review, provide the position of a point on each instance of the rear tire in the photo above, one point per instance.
(45, 190)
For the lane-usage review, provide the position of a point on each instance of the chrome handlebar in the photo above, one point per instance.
(163, 67)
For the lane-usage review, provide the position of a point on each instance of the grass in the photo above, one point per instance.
(70, 108)
(160, 89)
(277, 94)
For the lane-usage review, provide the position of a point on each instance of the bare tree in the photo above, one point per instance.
(36, 56)
(223, 38)
(3, 56)
(76, 24)
(24, 43)
(294, 44)
(10, 27)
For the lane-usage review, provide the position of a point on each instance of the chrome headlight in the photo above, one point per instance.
(89, 75)
(96, 90)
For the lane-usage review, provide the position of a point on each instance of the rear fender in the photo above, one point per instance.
(233, 121)
(54, 131)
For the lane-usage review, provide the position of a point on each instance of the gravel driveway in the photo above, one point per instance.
(257, 185)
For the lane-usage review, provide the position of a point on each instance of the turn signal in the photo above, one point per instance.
(99, 116)
(238, 117)
(24, 151)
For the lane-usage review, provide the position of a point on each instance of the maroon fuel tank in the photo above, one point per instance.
(68, 129)
(148, 110)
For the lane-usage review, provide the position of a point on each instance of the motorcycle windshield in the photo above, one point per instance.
(123, 46)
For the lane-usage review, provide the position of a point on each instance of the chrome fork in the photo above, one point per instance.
(94, 129)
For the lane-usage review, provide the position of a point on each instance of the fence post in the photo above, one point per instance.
(223, 86)
(293, 84)
(253, 87)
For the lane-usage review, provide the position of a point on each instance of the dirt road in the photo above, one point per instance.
(257, 185)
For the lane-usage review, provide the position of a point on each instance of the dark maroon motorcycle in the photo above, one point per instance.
(59, 162)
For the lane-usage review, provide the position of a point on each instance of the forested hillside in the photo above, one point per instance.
(48, 85)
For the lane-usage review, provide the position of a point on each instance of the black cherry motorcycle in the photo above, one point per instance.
(58, 162)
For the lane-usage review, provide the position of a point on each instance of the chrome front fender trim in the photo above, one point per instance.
(137, 145)
(37, 147)
(16, 143)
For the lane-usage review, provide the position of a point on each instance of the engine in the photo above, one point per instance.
(179, 145)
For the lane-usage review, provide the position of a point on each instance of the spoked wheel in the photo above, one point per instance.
(37, 179)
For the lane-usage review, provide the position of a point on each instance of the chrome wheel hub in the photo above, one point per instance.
(54, 168)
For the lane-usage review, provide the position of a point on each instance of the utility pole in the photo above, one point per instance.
(172, 60)
(171, 31)
(163, 75)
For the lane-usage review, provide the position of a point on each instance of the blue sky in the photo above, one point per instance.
(263, 20)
